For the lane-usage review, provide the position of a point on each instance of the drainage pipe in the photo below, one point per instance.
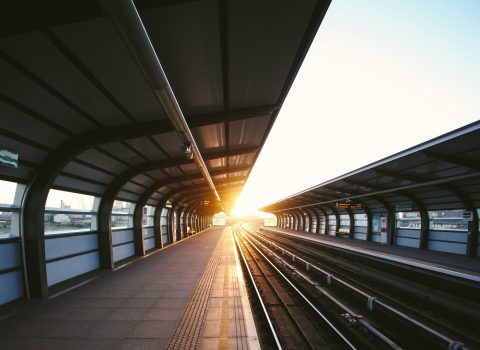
(128, 23)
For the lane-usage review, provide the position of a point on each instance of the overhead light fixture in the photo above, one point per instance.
(187, 150)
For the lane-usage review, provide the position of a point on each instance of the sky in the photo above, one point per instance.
(380, 76)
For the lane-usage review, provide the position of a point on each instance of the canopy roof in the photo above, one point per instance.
(75, 106)
(443, 173)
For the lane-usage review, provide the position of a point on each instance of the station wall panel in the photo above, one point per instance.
(165, 239)
(11, 286)
(376, 237)
(148, 232)
(123, 245)
(448, 241)
(408, 238)
(123, 251)
(61, 270)
(122, 236)
(10, 256)
(149, 243)
(148, 238)
(11, 274)
(360, 232)
(63, 246)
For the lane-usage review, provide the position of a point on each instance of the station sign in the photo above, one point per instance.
(350, 205)
(8, 158)
(204, 203)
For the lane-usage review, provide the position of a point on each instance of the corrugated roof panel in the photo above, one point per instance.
(210, 137)
(187, 40)
(254, 78)
(248, 132)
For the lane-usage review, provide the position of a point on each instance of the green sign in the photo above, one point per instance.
(8, 158)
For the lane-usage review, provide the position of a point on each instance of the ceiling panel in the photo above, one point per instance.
(125, 153)
(76, 185)
(260, 56)
(147, 148)
(102, 160)
(87, 172)
(248, 132)
(52, 66)
(170, 143)
(29, 127)
(129, 186)
(30, 95)
(157, 174)
(180, 33)
(210, 137)
(98, 46)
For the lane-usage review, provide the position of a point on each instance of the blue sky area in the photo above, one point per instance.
(381, 76)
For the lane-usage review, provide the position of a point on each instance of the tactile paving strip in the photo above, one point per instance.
(190, 325)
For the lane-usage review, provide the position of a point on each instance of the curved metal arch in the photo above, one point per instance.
(200, 188)
(311, 216)
(337, 218)
(191, 197)
(156, 186)
(291, 223)
(301, 220)
(314, 213)
(325, 215)
(130, 173)
(231, 183)
(424, 219)
(138, 215)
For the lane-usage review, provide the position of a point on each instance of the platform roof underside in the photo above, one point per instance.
(71, 88)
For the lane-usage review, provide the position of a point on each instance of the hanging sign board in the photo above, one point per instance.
(351, 205)
(8, 158)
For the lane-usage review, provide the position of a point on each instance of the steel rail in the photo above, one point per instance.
(317, 311)
(371, 300)
(259, 296)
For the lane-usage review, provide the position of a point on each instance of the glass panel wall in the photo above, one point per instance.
(70, 212)
(447, 220)
(122, 214)
(148, 216)
(11, 195)
(409, 220)
(360, 220)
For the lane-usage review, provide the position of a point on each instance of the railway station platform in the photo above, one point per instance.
(446, 263)
(189, 295)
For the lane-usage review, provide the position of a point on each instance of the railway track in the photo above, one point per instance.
(393, 321)
(290, 318)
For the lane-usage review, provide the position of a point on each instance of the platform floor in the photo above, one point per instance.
(190, 295)
(459, 265)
